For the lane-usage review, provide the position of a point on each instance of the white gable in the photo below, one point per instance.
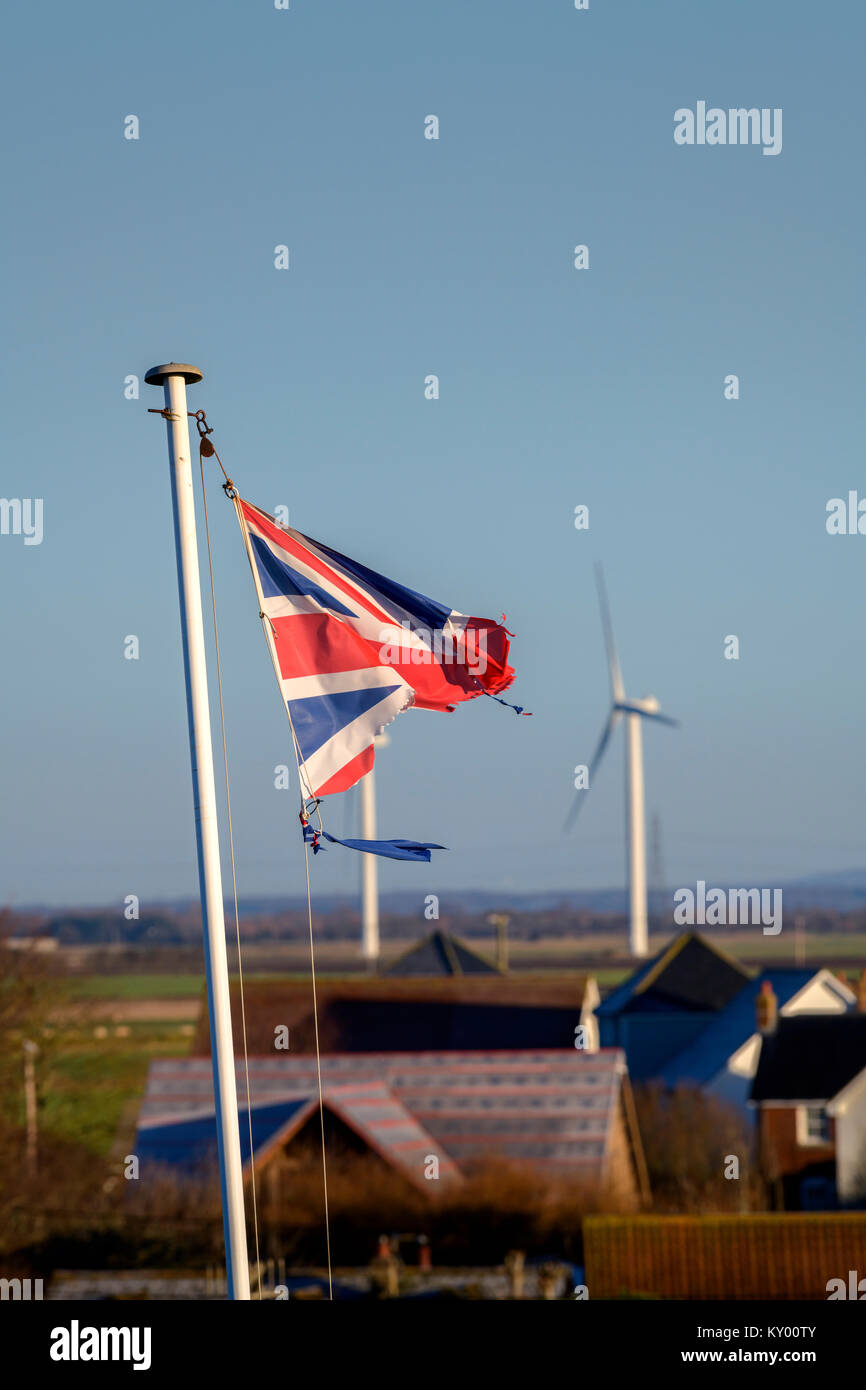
(823, 994)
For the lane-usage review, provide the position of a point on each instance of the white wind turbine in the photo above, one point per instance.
(369, 866)
(633, 711)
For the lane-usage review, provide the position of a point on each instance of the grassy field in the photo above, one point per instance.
(90, 1087)
(134, 987)
(599, 955)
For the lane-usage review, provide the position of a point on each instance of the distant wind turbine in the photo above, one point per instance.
(633, 711)
(369, 866)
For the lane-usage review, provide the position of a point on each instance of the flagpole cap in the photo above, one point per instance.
(158, 376)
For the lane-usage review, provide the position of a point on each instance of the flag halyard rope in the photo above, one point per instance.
(231, 493)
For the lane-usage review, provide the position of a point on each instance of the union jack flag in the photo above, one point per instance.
(351, 649)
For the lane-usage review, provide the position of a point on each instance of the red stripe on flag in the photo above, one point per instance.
(317, 644)
(311, 644)
(495, 644)
(463, 670)
(348, 775)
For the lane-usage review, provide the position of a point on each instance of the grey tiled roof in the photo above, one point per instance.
(545, 1107)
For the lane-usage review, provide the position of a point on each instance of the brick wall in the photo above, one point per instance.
(780, 1151)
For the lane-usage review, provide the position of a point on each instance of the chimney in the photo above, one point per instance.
(766, 1009)
(500, 921)
(861, 993)
(502, 944)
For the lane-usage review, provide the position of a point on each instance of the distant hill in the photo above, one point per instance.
(843, 891)
(176, 920)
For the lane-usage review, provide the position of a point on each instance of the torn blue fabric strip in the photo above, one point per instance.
(387, 849)
(518, 709)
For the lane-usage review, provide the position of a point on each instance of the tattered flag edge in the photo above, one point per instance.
(386, 849)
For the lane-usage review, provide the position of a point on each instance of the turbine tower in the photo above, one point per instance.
(369, 866)
(633, 711)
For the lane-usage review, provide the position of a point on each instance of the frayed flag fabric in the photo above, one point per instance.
(352, 649)
(414, 850)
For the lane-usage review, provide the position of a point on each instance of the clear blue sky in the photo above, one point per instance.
(558, 387)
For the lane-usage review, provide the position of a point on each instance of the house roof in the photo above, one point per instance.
(440, 953)
(190, 1142)
(729, 1028)
(810, 1057)
(363, 1025)
(370, 1109)
(689, 975)
(363, 1014)
(550, 1108)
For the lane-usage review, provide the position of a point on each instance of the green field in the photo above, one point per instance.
(135, 986)
(90, 1088)
(832, 950)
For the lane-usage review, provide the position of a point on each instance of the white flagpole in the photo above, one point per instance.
(174, 377)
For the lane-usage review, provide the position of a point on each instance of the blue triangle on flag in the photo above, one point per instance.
(318, 717)
(277, 578)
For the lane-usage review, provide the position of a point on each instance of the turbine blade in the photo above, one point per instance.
(661, 719)
(580, 796)
(635, 707)
(616, 683)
